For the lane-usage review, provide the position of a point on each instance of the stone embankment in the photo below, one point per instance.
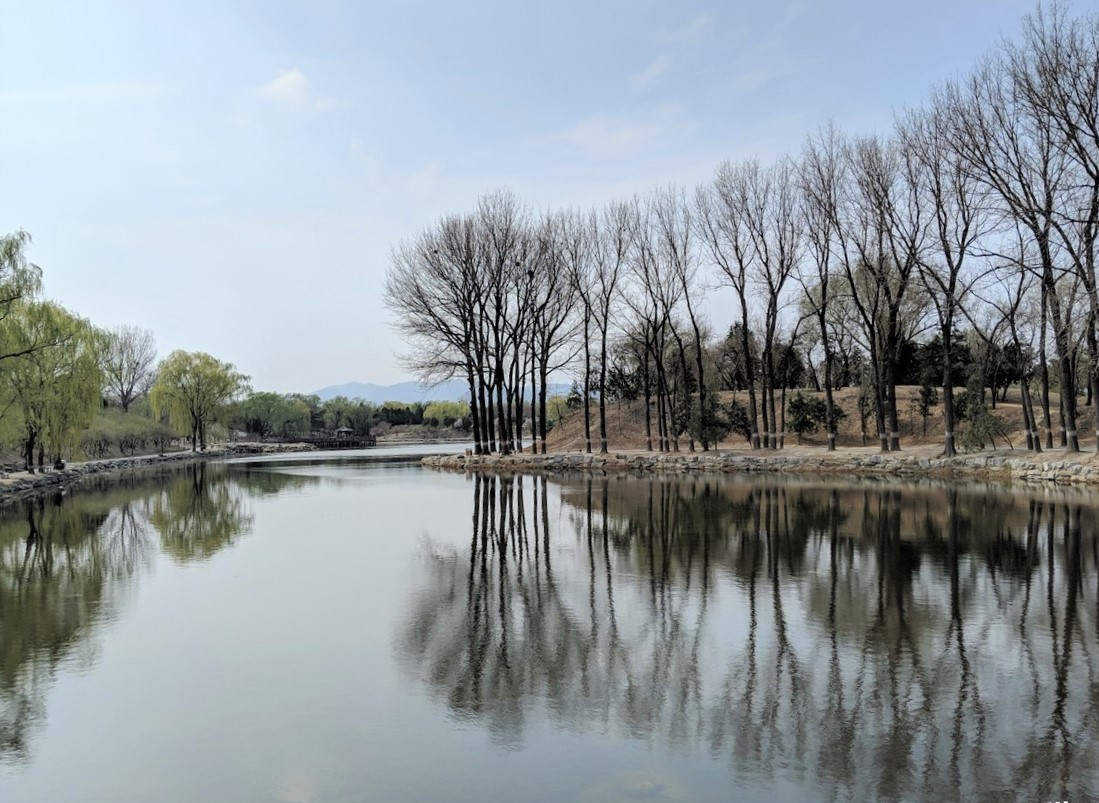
(20, 483)
(995, 466)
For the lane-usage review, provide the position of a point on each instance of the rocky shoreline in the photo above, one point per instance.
(1022, 468)
(20, 484)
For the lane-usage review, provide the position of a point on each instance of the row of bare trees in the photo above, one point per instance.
(975, 217)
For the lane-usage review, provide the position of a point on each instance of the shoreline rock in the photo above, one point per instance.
(982, 466)
(71, 476)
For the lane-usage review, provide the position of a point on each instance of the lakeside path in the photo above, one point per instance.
(20, 484)
(922, 461)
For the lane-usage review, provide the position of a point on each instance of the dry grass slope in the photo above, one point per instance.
(626, 424)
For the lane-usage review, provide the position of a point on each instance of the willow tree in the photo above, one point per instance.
(54, 383)
(19, 279)
(193, 389)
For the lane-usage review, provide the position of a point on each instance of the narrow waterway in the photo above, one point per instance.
(352, 627)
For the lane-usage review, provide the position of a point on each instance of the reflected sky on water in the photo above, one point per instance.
(360, 629)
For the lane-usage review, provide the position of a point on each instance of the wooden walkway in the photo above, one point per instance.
(350, 442)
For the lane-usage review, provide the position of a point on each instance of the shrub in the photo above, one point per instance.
(707, 426)
(806, 414)
(737, 420)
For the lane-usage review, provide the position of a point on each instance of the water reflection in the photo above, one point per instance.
(68, 562)
(197, 516)
(856, 641)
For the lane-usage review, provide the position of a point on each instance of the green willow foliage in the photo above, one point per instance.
(56, 370)
(50, 380)
(193, 389)
(55, 382)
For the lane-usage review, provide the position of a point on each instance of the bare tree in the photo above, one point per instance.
(577, 243)
(1054, 75)
(820, 177)
(612, 232)
(769, 217)
(944, 185)
(434, 288)
(728, 245)
(674, 233)
(1011, 151)
(880, 229)
(653, 297)
(1012, 287)
(502, 219)
(553, 319)
(128, 361)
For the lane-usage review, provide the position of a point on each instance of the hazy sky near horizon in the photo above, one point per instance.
(233, 175)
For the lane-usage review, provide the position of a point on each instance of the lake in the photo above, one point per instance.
(352, 627)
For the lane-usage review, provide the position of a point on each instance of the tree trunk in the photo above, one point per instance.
(1047, 417)
(1028, 415)
(891, 403)
(474, 413)
(949, 448)
(829, 405)
(28, 452)
(501, 410)
(603, 388)
(587, 384)
(782, 417)
(1093, 373)
(543, 385)
(764, 407)
(879, 401)
(749, 375)
(646, 386)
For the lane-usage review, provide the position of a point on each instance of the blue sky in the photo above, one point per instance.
(233, 175)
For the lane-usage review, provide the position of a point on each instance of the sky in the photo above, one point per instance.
(234, 175)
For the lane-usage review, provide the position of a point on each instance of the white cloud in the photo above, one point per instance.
(425, 179)
(292, 89)
(674, 42)
(618, 136)
(648, 76)
(764, 64)
(689, 33)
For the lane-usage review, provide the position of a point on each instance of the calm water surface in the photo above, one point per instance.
(357, 629)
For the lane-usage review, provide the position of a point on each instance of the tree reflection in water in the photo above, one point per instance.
(856, 640)
(66, 563)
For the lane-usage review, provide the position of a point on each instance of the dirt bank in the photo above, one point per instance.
(1017, 465)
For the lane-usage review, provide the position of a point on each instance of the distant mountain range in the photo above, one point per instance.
(410, 392)
(454, 390)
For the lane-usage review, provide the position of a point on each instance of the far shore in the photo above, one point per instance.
(22, 484)
(1051, 466)
(1054, 466)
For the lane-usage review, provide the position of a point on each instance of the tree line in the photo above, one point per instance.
(967, 230)
(58, 372)
(295, 415)
(68, 387)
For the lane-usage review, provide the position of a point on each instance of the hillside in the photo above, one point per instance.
(626, 424)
